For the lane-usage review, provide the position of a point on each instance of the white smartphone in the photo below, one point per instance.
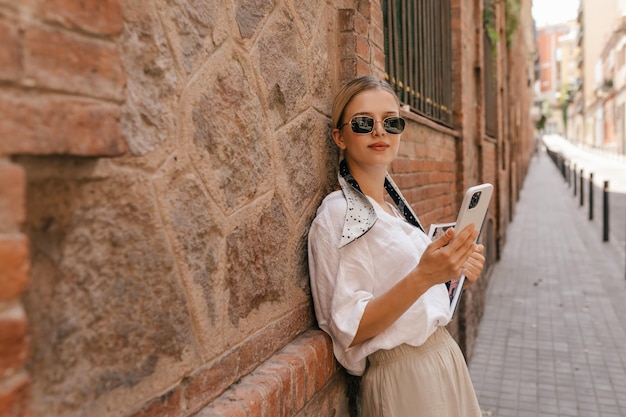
(473, 210)
(474, 207)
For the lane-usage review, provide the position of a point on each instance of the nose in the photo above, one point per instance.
(379, 128)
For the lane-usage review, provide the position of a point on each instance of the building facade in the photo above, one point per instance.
(595, 106)
(610, 92)
(160, 164)
(555, 49)
(595, 22)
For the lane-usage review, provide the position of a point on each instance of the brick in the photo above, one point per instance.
(300, 347)
(362, 47)
(13, 338)
(361, 24)
(284, 384)
(376, 16)
(103, 17)
(347, 41)
(378, 56)
(346, 20)
(365, 7)
(362, 67)
(15, 395)
(348, 69)
(298, 376)
(12, 195)
(251, 395)
(321, 346)
(271, 390)
(47, 124)
(14, 265)
(208, 382)
(378, 70)
(286, 387)
(223, 408)
(332, 365)
(10, 53)
(255, 351)
(168, 404)
(60, 60)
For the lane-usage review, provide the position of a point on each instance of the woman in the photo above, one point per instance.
(378, 283)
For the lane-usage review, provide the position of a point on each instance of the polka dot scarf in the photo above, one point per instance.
(361, 216)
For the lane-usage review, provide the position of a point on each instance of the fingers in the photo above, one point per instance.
(462, 246)
(452, 254)
(474, 264)
(444, 239)
(465, 236)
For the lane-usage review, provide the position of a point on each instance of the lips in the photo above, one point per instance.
(379, 146)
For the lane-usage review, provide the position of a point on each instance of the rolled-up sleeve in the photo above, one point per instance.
(352, 291)
(340, 289)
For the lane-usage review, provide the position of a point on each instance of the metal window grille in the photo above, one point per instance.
(418, 55)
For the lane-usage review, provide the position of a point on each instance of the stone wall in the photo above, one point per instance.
(160, 163)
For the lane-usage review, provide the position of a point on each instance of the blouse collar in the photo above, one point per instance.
(360, 214)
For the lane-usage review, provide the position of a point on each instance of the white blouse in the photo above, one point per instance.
(345, 278)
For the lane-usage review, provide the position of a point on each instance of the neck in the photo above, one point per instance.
(370, 179)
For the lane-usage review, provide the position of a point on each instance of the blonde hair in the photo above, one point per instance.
(354, 87)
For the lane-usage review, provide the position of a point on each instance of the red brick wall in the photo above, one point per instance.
(62, 85)
(426, 170)
(361, 41)
(65, 79)
(302, 379)
(14, 266)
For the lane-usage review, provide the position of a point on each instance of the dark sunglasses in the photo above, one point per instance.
(362, 125)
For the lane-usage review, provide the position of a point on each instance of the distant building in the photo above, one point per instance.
(595, 22)
(610, 92)
(555, 49)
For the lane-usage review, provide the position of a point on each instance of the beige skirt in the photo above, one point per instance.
(431, 380)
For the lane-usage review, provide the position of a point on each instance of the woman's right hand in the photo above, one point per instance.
(444, 258)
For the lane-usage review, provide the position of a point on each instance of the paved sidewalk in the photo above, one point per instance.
(605, 167)
(552, 341)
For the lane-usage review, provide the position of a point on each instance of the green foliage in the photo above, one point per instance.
(541, 123)
(545, 113)
(566, 100)
(489, 23)
(512, 11)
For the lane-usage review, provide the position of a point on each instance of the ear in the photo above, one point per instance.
(336, 133)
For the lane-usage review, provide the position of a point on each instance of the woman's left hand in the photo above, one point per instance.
(474, 265)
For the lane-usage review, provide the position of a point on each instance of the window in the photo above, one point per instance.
(489, 64)
(418, 55)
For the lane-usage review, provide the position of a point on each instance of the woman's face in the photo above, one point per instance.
(377, 148)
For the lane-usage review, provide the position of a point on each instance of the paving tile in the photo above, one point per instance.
(551, 341)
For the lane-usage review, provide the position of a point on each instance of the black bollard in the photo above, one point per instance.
(605, 212)
(591, 196)
(582, 194)
(574, 179)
